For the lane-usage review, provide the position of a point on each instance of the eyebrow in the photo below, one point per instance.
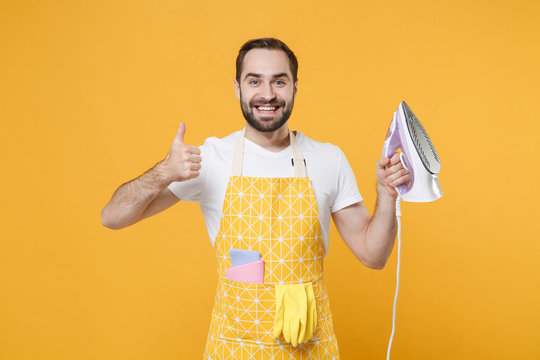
(255, 75)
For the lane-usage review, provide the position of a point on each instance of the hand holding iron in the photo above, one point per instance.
(183, 161)
(391, 173)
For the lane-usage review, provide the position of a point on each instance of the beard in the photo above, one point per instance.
(270, 125)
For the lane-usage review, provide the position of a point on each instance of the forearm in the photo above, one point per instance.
(131, 199)
(371, 239)
(381, 232)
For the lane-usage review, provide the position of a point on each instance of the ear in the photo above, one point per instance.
(295, 88)
(237, 89)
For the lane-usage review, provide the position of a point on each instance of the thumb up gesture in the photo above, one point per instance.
(183, 161)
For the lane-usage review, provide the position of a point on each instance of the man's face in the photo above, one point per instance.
(266, 89)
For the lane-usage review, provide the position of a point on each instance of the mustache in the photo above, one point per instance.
(264, 103)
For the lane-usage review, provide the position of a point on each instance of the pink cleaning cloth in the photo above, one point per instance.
(252, 272)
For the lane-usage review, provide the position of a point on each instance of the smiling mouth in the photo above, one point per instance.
(267, 109)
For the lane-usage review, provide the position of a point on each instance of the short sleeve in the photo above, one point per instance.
(347, 189)
(192, 189)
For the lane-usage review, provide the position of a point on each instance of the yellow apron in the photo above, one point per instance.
(277, 217)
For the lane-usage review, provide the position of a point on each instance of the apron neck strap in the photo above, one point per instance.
(238, 156)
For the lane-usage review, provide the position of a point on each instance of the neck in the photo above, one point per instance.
(272, 141)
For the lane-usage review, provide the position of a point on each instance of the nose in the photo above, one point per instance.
(267, 92)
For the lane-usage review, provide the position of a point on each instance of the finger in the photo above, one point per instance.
(278, 318)
(295, 327)
(302, 330)
(395, 158)
(181, 132)
(192, 174)
(195, 158)
(311, 312)
(395, 168)
(286, 327)
(402, 180)
(278, 325)
(393, 177)
(192, 149)
(314, 321)
(382, 163)
(195, 166)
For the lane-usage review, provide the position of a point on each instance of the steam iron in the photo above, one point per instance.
(417, 155)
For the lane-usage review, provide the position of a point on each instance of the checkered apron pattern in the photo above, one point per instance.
(277, 217)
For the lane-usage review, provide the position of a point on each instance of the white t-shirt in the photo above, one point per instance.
(331, 176)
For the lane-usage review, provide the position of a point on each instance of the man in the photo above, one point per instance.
(268, 191)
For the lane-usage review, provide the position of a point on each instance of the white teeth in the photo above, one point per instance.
(266, 108)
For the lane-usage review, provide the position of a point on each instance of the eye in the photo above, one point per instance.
(253, 82)
(280, 82)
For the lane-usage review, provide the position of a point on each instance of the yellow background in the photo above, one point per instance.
(91, 96)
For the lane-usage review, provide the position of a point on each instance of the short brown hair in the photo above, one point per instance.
(266, 43)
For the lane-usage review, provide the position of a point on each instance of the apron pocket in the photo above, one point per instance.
(248, 311)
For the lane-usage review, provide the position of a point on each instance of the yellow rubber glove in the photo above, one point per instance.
(311, 313)
(278, 318)
(292, 315)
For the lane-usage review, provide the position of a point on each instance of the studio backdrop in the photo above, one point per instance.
(92, 94)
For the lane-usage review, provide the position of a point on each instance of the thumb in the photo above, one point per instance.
(384, 161)
(181, 132)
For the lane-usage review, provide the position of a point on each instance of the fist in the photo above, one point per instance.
(183, 161)
(391, 173)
